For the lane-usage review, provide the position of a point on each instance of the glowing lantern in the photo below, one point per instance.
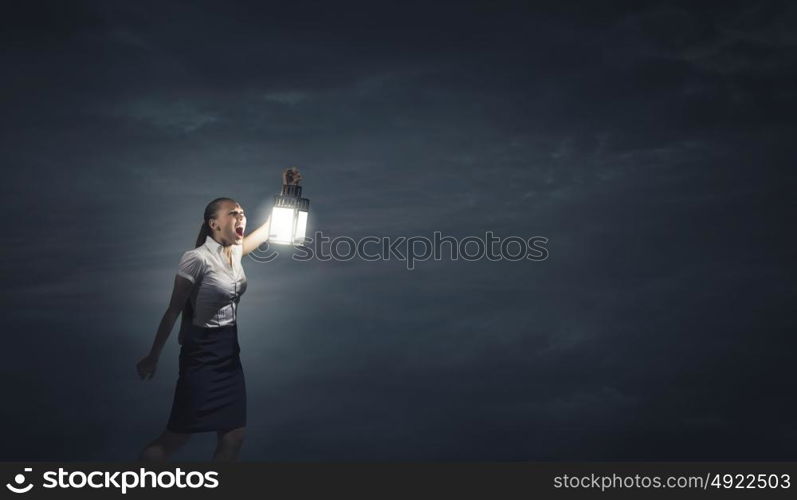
(289, 216)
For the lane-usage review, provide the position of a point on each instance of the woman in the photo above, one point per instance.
(210, 393)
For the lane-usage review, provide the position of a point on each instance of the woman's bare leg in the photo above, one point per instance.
(163, 447)
(229, 444)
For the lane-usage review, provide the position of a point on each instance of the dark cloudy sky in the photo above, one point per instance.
(653, 144)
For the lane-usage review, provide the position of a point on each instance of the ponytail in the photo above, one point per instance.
(204, 231)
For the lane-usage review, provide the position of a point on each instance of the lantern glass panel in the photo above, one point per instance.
(301, 228)
(282, 221)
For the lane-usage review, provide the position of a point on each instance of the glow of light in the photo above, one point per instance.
(282, 221)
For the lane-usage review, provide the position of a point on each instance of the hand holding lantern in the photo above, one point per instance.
(291, 176)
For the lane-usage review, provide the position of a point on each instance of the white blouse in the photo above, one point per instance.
(215, 299)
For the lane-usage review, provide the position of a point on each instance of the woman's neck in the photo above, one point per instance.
(227, 248)
(222, 243)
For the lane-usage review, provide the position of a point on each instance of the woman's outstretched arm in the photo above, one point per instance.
(180, 293)
(257, 237)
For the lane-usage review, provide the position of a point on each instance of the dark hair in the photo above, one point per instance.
(210, 213)
(204, 232)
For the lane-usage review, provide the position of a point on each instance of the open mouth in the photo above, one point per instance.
(239, 231)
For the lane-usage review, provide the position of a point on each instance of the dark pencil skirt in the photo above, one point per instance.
(210, 393)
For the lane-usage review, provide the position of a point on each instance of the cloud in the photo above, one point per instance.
(290, 98)
(173, 116)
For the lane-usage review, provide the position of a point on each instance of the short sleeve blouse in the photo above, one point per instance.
(217, 285)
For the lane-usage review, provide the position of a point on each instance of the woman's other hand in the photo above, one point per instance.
(291, 176)
(146, 367)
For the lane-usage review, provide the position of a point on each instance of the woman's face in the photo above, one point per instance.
(229, 224)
